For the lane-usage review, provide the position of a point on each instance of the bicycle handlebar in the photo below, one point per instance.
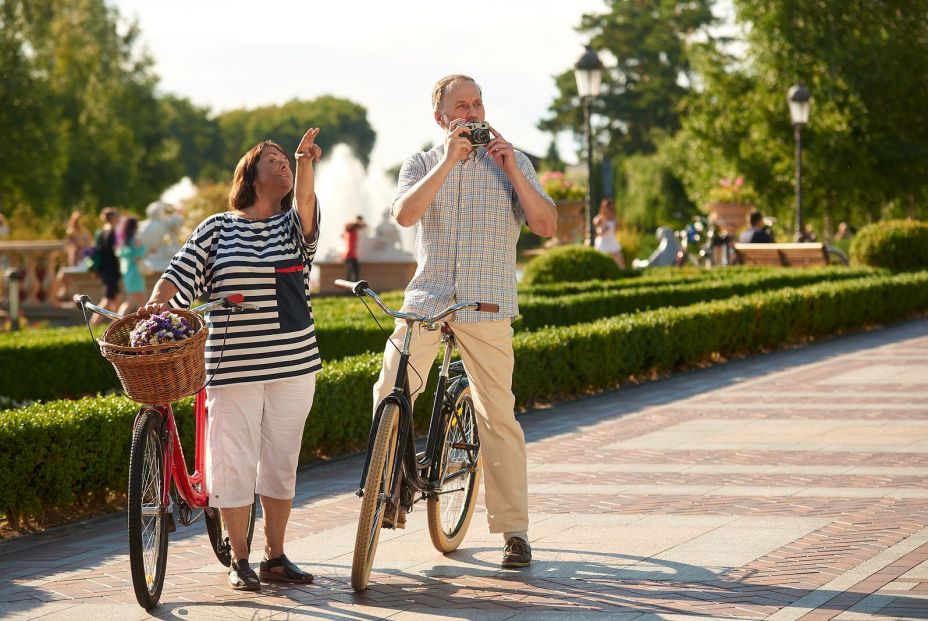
(235, 302)
(360, 288)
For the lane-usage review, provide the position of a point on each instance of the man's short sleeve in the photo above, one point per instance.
(525, 166)
(412, 171)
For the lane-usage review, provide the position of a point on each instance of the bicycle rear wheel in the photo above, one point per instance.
(376, 491)
(219, 537)
(450, 511)
(148, 518)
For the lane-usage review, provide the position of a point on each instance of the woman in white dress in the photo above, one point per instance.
(605, 224)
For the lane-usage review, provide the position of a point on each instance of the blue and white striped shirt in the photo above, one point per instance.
(267, 261)
(466, 240)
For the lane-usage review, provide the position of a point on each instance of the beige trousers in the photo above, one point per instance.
(486, 349)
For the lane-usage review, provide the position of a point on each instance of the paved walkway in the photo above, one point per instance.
(785, 486)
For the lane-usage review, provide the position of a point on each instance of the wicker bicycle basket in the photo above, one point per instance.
(157, 374)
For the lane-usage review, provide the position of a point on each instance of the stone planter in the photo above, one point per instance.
(571, 226)
(733, 217)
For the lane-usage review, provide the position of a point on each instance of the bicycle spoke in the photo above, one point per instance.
(151, 510)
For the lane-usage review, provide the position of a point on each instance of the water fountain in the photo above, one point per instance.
(346, 190)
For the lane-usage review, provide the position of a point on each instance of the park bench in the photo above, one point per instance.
(789, 255)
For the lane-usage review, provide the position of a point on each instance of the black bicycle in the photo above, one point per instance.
(395, 476)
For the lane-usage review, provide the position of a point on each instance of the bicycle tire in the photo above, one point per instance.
(148, 517)
(218, 537)
(449, 513)
(379, 474)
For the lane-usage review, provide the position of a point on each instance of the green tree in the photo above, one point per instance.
(341, 120)
(97, 136)
(32, 163)
(651, 73)
(865, 148)
(198, 136)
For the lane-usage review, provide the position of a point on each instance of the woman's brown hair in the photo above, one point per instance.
(242, 193)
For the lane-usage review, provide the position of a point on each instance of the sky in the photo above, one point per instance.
(384, 55)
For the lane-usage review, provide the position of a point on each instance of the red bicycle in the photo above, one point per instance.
(160, 487)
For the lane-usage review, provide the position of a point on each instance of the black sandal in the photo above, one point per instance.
(291, 572)
(242, 577)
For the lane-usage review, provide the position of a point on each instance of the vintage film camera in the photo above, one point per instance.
(479, 133)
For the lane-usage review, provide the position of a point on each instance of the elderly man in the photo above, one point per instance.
(469, 202)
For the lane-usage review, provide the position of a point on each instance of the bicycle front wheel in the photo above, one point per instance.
(148, 518)
(450, 510)
(376, 491)
(219, 536)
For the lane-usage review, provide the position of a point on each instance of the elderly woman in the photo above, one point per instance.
(261, 393)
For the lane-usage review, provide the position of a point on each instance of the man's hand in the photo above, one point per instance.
(308, 150)
(501, 152)
(457, 146)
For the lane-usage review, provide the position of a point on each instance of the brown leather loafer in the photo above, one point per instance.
(517, 553)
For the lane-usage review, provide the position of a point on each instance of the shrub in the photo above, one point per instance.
(570, 264)
(52, 454)
(894, 244)
(591, 305)
(344, 327)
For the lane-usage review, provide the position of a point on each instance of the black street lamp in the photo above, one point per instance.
(799, 100)
(589, 72)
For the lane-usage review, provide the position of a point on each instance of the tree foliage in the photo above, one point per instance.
(342, 121)
(79, 106)
(866, 145)
(83, 125)
(650, 75)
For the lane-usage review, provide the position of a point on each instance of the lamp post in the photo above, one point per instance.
(798, 97)
(588, 71)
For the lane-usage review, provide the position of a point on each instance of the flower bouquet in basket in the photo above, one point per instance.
(166, 327)
(160, 358)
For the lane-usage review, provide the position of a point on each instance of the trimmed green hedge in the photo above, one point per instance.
(344, 327)
(557, 362)
(570, 263)
(52, 454)
(538, 312)
(638, 278)
(893, 244)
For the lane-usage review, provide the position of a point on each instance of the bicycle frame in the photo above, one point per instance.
(191, 487)
(406, 463)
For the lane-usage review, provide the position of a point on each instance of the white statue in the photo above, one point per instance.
(666, 252)
(385, 244)
(160, 234)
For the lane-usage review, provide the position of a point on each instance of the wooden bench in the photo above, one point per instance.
(789, 255)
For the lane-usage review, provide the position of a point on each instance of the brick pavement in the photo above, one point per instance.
(792, 485)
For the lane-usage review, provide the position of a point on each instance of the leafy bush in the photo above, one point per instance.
(53, 454)
(344, 327)
(570, 264)
(894, 244)
(591, 305)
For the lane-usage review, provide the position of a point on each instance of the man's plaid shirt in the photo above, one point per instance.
(466, 240)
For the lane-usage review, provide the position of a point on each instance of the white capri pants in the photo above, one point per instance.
(254, 432)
